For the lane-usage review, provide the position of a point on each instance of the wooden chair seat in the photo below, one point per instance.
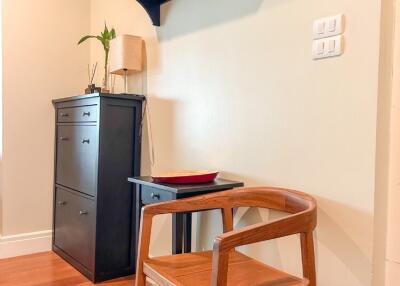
(195, 269)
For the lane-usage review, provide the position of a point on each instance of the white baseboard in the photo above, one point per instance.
(25, 243)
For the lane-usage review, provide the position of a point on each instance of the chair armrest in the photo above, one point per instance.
(302, 222)
(297, 223)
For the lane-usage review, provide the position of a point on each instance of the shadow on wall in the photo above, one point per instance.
(332, 236)
(180, 17)
(159, 120)
(161, 142)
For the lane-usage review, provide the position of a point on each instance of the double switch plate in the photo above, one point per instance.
(327, 36)
(328, 47)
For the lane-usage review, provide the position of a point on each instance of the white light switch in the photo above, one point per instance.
(320, 47)
(331, 45)
(321, 28)
(332, 25)
(328, 27)
(328, 47)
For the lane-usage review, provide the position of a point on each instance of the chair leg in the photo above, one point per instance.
(144, 244)
(219, 266)
(308, 257)
(140, 279)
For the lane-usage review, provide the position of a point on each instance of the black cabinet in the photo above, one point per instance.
(97, 147)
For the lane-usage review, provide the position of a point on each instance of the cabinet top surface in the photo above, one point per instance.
(106, 95)
(217, 184)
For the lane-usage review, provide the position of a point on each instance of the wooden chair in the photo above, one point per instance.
(224, 265)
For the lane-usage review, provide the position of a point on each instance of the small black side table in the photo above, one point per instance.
(149, 192)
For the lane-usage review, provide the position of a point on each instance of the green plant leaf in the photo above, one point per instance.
(113, 34)
(102, 40)
(85, 38)
(106, 32)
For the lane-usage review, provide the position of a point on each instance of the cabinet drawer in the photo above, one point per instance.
(78, 114)
(152, 195)
(77, 149)
(74, 226)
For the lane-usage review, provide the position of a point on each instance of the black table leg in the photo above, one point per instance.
(139, 205)
(187, 233)
(177, 231)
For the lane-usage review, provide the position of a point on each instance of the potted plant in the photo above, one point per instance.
(105, 37)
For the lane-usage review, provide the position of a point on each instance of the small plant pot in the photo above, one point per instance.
(92, 89)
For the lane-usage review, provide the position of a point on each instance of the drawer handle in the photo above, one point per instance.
(86, 113)
(64, 114)
(86, 141)
(62, 203)
(64, 138)
(83, 212)
(155, 196)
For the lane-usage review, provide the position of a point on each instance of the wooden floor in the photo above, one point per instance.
(46, 269)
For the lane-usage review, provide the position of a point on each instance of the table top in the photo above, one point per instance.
(217, 184)
(91, 95)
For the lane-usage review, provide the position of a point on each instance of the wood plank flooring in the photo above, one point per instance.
(46, 269)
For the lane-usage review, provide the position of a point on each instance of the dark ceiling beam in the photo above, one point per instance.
(152, 8)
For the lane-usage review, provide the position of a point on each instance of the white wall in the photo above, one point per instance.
(1, 110)
(384, 157)
(232, 87)
(41, 62)
(393, 211)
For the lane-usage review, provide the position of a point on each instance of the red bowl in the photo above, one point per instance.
(189, 177)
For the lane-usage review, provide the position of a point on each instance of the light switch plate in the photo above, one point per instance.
(328, 27)
(328, 47)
